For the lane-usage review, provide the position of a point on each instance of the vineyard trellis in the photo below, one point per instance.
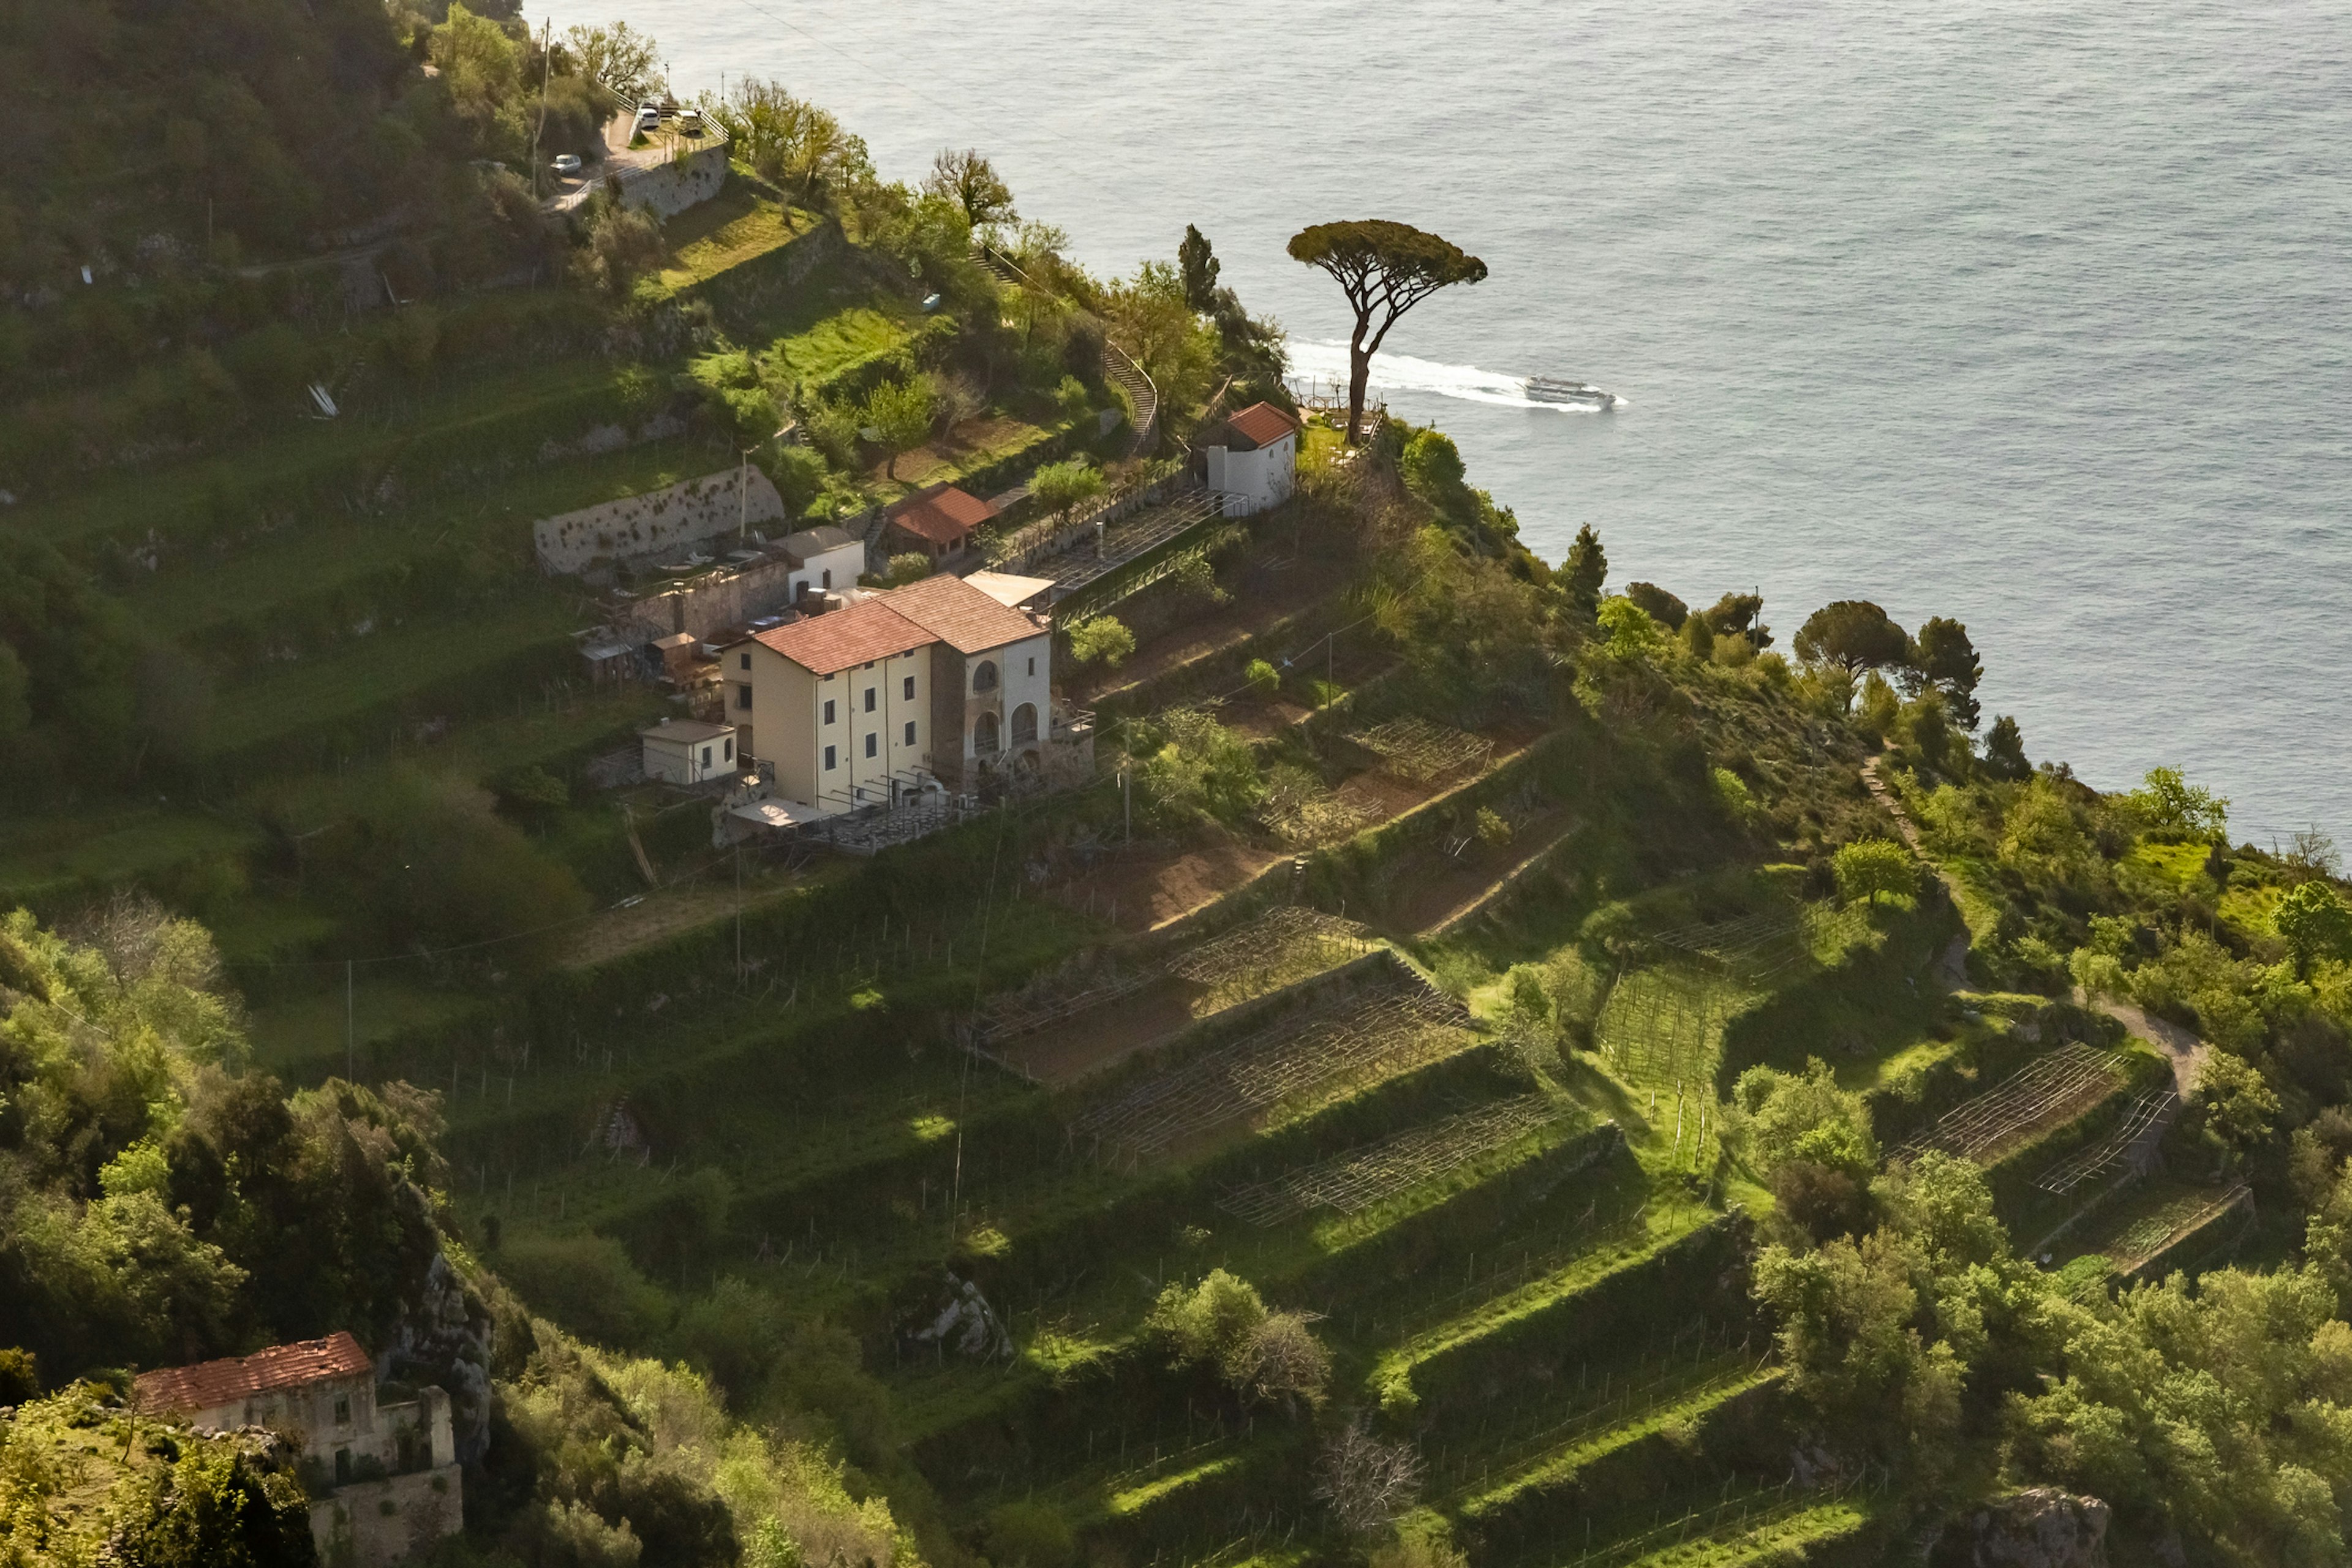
(2048, 1092)
(1756, 942)
(1288, 942)
(1341, 1039)
(2142, 1123)
(1415, 749)
(1674, 1378)
(1663, 1027)
(2154, 1235)
(1354, 1181)
(1279, 939)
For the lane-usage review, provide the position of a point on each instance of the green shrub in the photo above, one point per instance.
(1262, 678)
(587, 1283)
(1100, 639)
(911, 567)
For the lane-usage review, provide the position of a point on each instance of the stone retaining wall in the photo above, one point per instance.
(660, 522)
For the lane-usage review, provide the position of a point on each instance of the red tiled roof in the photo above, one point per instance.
(210, 1385)
(944, 515)
(960, 615)
(868, 630)
(1261, 424)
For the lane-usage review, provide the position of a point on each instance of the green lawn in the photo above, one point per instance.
(281, 451)
(728, 230)
(848, 337)
(385, 666)
(41, 856)
(495, 515)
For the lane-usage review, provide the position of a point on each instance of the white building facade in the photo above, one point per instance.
(1254, 460)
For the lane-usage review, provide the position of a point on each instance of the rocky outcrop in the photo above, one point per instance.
(2039, 1528)
(444, 1338)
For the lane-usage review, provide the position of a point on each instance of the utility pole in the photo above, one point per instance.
(546, 79)
(739, 917)
(351, 1035)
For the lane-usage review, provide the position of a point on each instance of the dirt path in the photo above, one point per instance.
(2181, 1047)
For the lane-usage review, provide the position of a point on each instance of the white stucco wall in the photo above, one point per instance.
(1253, 481)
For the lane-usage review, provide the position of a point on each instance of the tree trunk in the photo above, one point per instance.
(1360, 371)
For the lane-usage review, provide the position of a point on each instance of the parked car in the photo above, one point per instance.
(649, 119)
(690, 121)
(566, 163)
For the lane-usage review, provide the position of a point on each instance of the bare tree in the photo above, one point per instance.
(1367, 1484)
(1281, 1359)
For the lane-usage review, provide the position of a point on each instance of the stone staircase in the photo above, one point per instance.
(1141, 394)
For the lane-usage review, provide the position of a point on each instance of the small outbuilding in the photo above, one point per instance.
(689, 751)
(1253, 459)
(938, 523)
(821, 560)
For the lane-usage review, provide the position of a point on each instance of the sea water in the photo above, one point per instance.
(2035, 315)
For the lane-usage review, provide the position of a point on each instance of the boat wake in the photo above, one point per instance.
(1326, 363)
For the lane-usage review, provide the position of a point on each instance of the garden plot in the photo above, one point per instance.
(1354, 1181)
(1346, 1042)
(2046, 1093)
(1413, 748)
(2126, 1148)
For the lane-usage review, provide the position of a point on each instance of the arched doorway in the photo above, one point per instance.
(1025, 724)
(984, 735)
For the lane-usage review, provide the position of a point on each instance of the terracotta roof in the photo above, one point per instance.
(210, 1385)
(960, 615)
(868, 630)
(1261, 424)
(943, 515)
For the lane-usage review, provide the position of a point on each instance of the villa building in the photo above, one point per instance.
(926, 687)
(383, 1477)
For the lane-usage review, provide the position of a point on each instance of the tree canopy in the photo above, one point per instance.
(1385, 269)
(970, 181)
(1853, 634)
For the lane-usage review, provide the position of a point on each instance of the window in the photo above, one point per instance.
(870, 699)
(829, 759)
(343, 1467)
(743, 696)
(984, 735)
(728, 752)
(342, 1410)
(705, 756)
(910, 688)
(828, 709)
(872, 741)
(984, 677)
(747, 661)
(827, 583)
(1033, 667)
(910, 732)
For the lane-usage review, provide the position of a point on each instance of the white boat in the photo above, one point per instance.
(1570, 394)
